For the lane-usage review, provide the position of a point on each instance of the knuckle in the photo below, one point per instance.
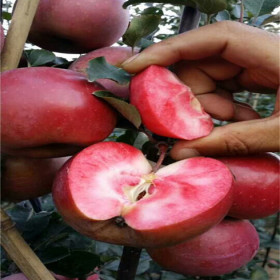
(234, 144)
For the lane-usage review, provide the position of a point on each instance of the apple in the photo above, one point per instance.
(51, 112)
(110, 193)
(2, 38)
(222, 249)
(72, 26)
(167, 106)
(256, 185)
(21, 276)
(27, 178)
(113, 55)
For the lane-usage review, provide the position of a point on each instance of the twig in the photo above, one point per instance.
(162, 147)
(271, 240)
(20, 252)
(241, 11)
(17, 34)
(129, 263)
(190, 19)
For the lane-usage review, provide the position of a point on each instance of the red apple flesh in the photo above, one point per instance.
(27, 178)
(51, 112)
(113, 55)
(110, 193)
(256, 185)
(167, 106)
(72, 26)
(221, 250)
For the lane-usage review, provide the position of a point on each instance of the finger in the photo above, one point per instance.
(241, 138)
(238, 43)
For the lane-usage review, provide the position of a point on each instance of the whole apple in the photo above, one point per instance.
(113, 55)
(27, 178)
(221, 250)
(72, 26)
(110, 193)
(167, 106)
(51, 112)
(256, 185)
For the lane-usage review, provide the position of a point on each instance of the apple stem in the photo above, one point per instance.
(271, 240)
(162, 147)
(129, 263)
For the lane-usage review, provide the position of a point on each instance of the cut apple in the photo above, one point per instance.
(167, 106)
(110, 193)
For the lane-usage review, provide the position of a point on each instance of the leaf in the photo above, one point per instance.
(223, 15)
(173, 2)
(260, 7)
(53, 254)
(40, 57)
(77, 264)
(128, 137)
(142, 26)
(128, 111)
(99, 68)
(210, 6)
(259, 274)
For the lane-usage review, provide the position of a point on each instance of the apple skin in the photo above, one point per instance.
(96, 194)
(71, 26)
(21, 276)
(27, 178)
(158, 94)
(113, 55)
(256, 185)
(51, 112)
(221, 250)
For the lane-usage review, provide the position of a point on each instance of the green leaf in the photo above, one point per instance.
(99, 68)
(259, 274)
(173, 2)
(40, 57)
(210, 6)
(127, 110)
(223, 15)
(128, 137)
(53, 254)
(6, 15)
(261, 7)
(142, 26)
(77, 264)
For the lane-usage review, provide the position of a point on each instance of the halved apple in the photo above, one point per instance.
(110, 193)
(167, 106)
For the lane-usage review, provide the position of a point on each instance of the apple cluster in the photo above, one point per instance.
(191, 215)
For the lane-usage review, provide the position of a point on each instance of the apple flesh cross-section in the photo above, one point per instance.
(167, 106)
(110, 193)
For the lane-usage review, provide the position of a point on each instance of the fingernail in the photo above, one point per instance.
(130, 59)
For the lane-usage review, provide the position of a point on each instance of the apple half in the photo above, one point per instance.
(110, 193)
(167, 106)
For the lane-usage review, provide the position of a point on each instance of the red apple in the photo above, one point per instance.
(72, 26)
(256, 185)
(167, 106)
(26, 178)
(110, 193)
(113, 55)
(51, 112)
(222, 249)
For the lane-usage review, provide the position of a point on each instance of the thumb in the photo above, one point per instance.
(240, 138)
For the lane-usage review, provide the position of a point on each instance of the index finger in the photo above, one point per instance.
(238, 43)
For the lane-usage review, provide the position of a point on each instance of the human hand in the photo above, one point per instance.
(215, 61)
